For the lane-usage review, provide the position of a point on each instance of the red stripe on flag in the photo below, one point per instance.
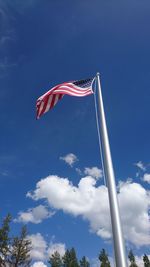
(49, 99)
(53, 101)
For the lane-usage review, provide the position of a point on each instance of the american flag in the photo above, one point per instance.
(50, 98)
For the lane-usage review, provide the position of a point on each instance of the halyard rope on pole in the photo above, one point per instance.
(98, 132)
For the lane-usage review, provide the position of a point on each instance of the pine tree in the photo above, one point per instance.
(103, 257)
(4, 240)
(132, 259)
(73, 258)
(14, 252)
(84, 262)
(70, 259)
(146, 261)
(66, 259)
(55, 260)
(20, 253)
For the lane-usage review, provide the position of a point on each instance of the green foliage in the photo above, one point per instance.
(66, 259)
(14, 251)
(4, 240)
(84, 262)
(103, 257)
(132, 259)
(73, 257)
(70, 259)
(55, 260)
(20, 253)
(146, 261)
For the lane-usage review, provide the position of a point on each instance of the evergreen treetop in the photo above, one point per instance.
(14, 251)
(84, 262)
(55, 260)
(103, 257)
(70, 258)
(132, 259)
(146, 261)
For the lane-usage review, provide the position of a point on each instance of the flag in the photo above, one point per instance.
(49, 99)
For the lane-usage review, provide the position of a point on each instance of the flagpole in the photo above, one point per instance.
(119, 247)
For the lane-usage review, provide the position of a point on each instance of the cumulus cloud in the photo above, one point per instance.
(41, 250)
(139, 260)
(59, 247)
(38, 264)
(70, 159)
(146, 177)
(95, 262)
(134, 205)
(34, 215)
(91, 202)
(94, 172)
(140, 165)
(39, 247)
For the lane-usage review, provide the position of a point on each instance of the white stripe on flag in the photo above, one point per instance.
(48, 103)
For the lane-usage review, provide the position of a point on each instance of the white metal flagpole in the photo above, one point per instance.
(119, 247)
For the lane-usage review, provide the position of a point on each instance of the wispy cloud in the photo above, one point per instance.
(140, 165)
(5, 173)
(5, 64)
(19, 5)
(70, 159)
(78, 170)
(7, 37)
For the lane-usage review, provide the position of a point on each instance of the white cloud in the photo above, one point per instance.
(38, 264)
(69, 159)
(91, 202)
(94, 172)
(78, 171)
(39, 247)
(112, 260)
(59, 247)
(41, 251)
(5, 173)
(96, 263)
(34, 215)
(139, 260)
(146, 177)
(134, 205)
(140, 165)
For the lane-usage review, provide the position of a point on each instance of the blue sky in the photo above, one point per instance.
(43, 43)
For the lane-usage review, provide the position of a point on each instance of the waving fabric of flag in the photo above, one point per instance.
(49, 99)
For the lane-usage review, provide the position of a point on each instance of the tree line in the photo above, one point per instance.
(70, 259)
(15, 252)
